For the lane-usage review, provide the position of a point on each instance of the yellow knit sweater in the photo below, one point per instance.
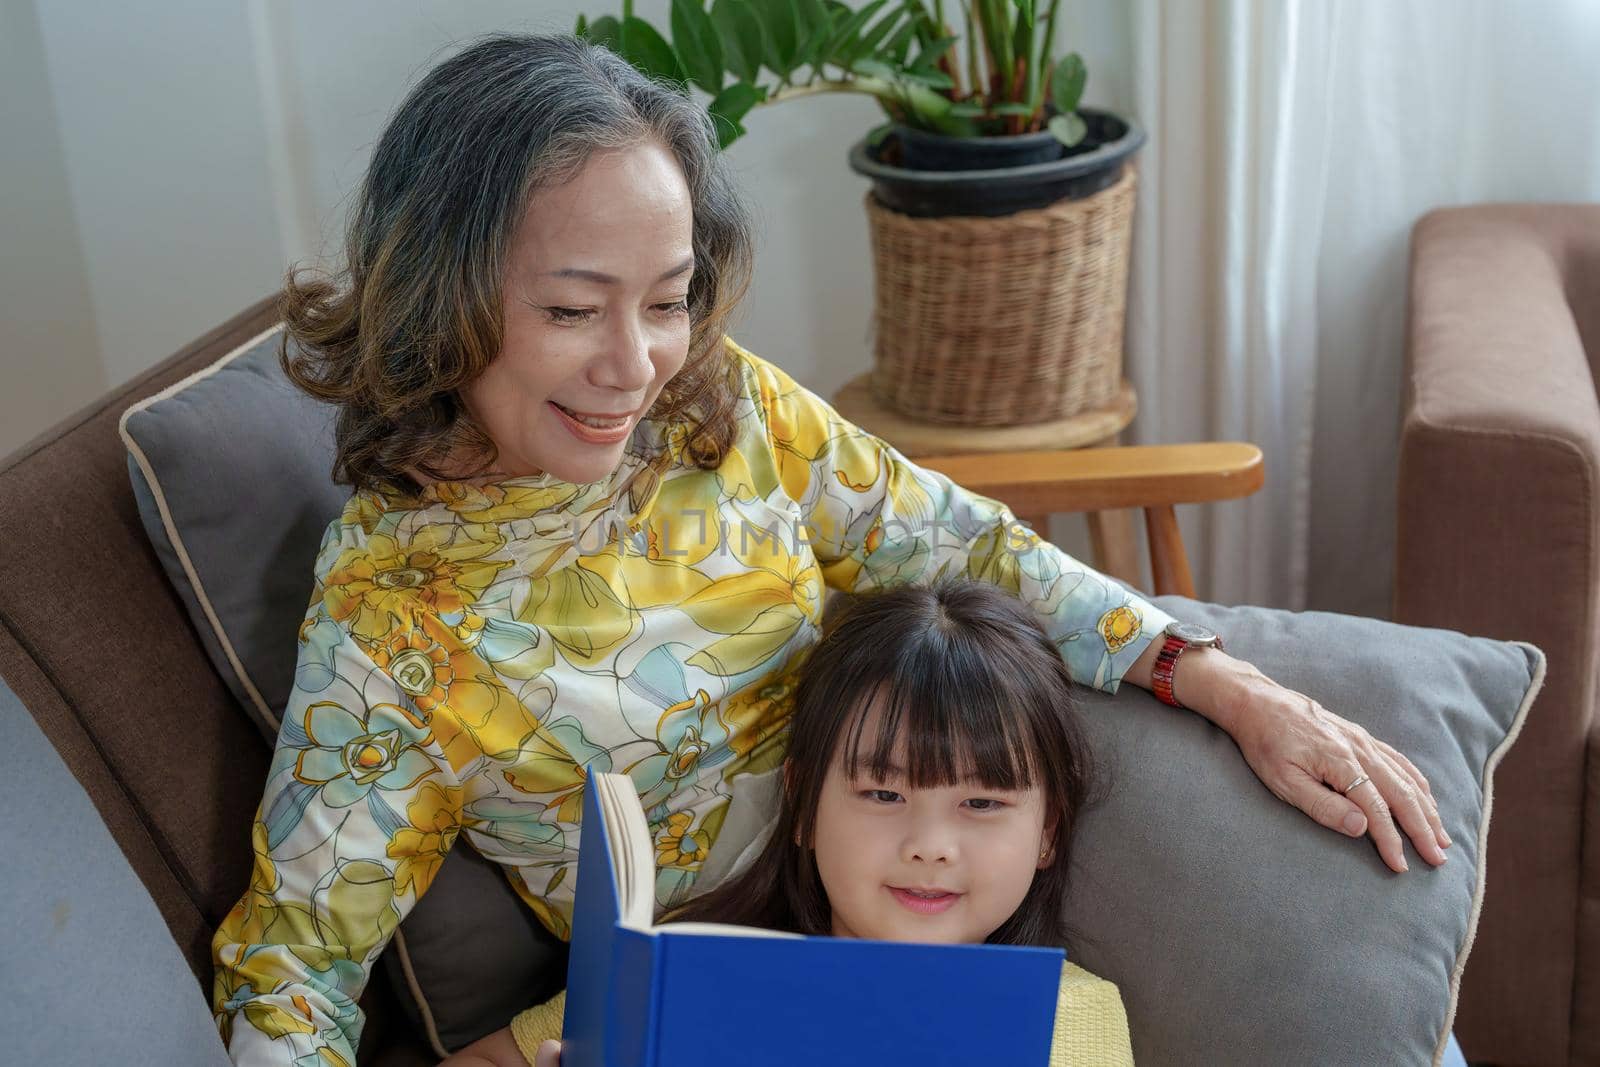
(1091, 1027)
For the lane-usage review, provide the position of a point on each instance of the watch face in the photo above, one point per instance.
(1195, 635)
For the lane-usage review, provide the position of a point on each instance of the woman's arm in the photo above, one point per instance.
(877, 519)
(359, 808)
(874, 520)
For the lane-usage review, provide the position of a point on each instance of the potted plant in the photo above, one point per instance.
(1001, 209)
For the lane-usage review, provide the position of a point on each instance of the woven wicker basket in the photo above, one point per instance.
(1000, 321)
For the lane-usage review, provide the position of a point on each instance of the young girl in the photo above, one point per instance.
(934, 774)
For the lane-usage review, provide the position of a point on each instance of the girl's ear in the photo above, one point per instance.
(1047, 848)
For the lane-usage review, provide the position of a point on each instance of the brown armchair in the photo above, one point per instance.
(1499, 535)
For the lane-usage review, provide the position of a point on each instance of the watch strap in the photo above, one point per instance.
(1165, 668)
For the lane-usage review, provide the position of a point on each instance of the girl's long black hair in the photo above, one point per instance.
(970, 688)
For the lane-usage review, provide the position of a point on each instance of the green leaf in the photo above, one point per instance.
(605, 30)
(816, 26)
(1069, 129)
(1011, 109)
(1066, 85)
(731, 105)
(875, 68)
(698, 44)
(968, 111)
(898, 45)
(582, 29)
(933, 79)
(1025, 11)
(1022, 48)
(931, 111)
(849, 33)
(728, 131)
(646, 49)
(932, 51)
(868, 45)
(781, 19)
(744, 39)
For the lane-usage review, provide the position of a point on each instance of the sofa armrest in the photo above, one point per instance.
(1497, 536)
(1500, 445)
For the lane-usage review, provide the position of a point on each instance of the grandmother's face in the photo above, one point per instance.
(595, 316)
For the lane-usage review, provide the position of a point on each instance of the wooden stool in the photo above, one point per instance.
(1111, 533)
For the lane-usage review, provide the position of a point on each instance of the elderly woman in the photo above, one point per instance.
(588, 529)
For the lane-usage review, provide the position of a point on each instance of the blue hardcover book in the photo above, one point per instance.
(640, 995)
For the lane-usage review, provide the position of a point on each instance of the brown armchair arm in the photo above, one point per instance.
(1499, 535)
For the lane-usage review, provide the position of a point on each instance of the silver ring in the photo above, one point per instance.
(1362, 780)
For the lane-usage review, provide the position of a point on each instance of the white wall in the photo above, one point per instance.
(51, 350)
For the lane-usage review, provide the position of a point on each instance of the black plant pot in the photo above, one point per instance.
(929, 175)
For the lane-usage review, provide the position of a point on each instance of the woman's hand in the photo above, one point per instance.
(549, 1054)
(1311, 758)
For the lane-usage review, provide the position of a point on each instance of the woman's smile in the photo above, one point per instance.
(594, 429)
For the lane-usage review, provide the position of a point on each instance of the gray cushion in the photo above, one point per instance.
(471, 955)
(90, 973)
(1239, 931)
(232, 471)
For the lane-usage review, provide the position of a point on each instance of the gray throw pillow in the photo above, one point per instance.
(1240, 931)
(89, 972)
(231, 468)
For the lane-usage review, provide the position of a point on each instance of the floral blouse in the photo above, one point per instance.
(468, 653)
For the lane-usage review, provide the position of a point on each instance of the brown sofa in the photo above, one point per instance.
(1499, 529)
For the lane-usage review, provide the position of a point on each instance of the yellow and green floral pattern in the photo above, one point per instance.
(470, 652)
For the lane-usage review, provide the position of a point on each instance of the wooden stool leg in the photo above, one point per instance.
(1113, 543)
(1112, 540)
(1169, 564)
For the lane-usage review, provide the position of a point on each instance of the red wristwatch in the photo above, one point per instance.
(1180, 636)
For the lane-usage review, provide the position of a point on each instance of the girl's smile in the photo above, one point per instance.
(924, 901)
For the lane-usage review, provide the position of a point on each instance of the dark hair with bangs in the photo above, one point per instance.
(968, 687)
(414, 315)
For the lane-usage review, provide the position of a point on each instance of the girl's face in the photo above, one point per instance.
(945, 865)
(595, 316)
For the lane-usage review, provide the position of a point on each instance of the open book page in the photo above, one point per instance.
(724, 930)
(633, 856)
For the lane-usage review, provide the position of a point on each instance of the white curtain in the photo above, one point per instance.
(1293, 144)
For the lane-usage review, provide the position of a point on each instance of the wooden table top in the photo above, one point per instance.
(914, 437)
